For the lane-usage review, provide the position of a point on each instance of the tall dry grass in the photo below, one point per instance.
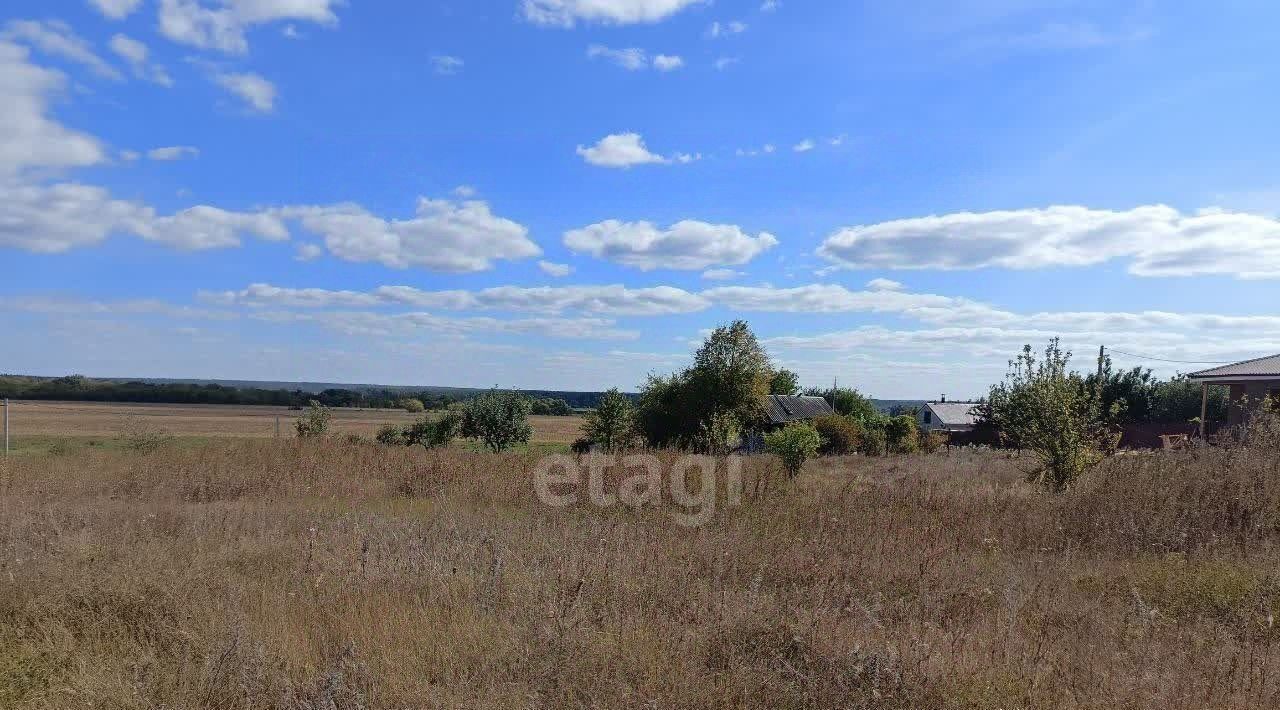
(257, 575)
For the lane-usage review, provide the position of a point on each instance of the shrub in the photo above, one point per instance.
(874, 442)
(411, 405)
(315, 423)
(610, 423)
(932, 441)
(498, 418)
(794, 444)
(840, 435)
(901, 434)
(433, 433)
(390, 435)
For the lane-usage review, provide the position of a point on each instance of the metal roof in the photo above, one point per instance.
(782, 409)
(1259, 367)
(954, 413)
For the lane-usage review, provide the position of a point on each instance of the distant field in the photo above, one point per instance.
(43, 421)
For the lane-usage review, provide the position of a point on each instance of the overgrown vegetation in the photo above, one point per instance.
(793, 444)
(249, 575)
(1045, 408)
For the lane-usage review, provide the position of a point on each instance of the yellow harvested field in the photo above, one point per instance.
(214, 420)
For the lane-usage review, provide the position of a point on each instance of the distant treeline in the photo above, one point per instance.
(76, 388)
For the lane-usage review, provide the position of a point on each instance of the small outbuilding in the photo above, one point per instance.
(785, 409)
(1252, 383)
(949, 417)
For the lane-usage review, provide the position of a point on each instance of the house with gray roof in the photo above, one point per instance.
(949, 417)
(1252, 383)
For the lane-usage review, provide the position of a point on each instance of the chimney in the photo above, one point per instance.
(944, 399)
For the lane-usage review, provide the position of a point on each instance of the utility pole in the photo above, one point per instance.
(6, 426)
(277, 427)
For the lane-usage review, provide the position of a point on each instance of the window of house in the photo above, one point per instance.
(928, 417)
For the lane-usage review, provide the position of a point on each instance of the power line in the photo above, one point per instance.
(1178, 362)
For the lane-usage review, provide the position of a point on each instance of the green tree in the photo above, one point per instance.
(1045, 408)
(498, 418)
(731, 375)
(846, 401)
(794, 444)
(315, 423)
(784, 382)
(611, 423)
(706, 405)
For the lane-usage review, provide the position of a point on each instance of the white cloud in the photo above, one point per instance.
(1158, 240)
(666, 62)
(717, 29)
(804, 146)
(130, 156)
(115, 9)
(553, 269)
(820, 298)
(884, 285)
(615, 300)
(566, 13)
(57, 218)
(466, 192)
(56, 38)
(770, 5)
(722, 274)
(223, 28)
(725, 62)
(173, 152)
(308, 252)
(446, 65)
(631, 59)
(443, 235)
(622, 150)
(634, 58)
(688, 245)
(136, 54)
(258, 93)
(29, 138)
(366, 324)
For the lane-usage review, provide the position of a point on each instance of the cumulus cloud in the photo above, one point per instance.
(688, 245)
(173, 152)
(257, 93)
(29, 138)
(1157, 240)
(223, 27)
(553, 269)
(718, 29)
(567, 13)
(444, 235)
(57, 218)
(57, 39)
(622, 150)
(308, 252)
(115, 9)
(631, 59)
(136, 53)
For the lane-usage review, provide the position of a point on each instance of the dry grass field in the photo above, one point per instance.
(263, 574)
(45, 423)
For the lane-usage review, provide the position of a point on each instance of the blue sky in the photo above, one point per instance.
(570, 193)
